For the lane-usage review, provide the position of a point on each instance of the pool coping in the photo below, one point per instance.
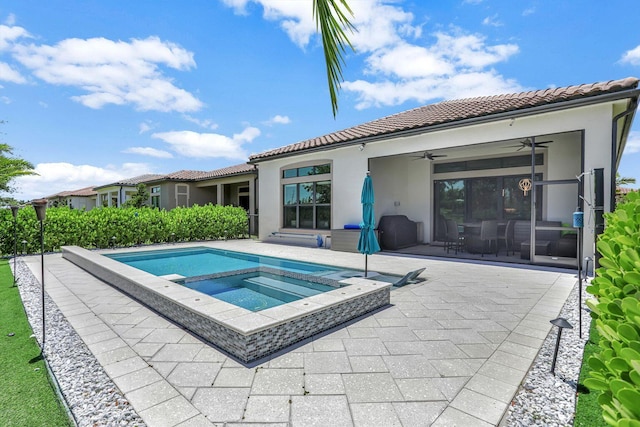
(245, 334)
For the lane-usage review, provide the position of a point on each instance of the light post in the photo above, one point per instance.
(41, 212)
(561, 323)
(14, 211)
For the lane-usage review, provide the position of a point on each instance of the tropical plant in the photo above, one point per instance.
(615, 370)
(12, 167)
(140, 198)
(331, 22)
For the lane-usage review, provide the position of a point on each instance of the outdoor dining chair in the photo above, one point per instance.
(454, 240)
(489, 233)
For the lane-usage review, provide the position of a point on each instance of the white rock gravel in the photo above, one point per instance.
(94, 400)
(543, 399)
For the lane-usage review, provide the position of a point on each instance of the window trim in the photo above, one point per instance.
(297, 180)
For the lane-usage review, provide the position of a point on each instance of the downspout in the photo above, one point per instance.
(614, 150)
(119, 197)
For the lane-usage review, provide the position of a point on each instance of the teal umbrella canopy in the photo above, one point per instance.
(368, 242)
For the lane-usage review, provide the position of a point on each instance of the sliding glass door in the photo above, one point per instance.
(472, 200)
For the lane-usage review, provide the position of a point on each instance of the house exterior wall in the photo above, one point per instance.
(404, 186)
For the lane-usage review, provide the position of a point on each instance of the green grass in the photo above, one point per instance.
(26, 395)
(588, 411)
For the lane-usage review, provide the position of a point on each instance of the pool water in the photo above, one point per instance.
(257, 291)
(202, 261)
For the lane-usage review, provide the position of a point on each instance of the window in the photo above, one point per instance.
(155, 197)
(306, 171)
(307, 202)
(182, 195)
(486, 164)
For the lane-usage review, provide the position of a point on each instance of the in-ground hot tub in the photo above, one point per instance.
(247, 335)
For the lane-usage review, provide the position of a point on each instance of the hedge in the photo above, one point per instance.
(122, 227)
(615, 369)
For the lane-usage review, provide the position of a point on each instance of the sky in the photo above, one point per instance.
(95, 91)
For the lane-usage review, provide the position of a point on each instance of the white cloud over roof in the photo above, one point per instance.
(209, 145)
(55, 177)
(631, 56)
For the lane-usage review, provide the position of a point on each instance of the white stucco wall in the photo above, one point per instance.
(404, 185)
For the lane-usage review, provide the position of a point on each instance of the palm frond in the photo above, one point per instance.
(332, 21)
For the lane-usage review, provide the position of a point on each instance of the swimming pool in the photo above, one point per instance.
(259, 288)
(247, 335)
(199, 261)
(254, 282)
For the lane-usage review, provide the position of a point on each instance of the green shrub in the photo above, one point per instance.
(615, 370)
(123, 227)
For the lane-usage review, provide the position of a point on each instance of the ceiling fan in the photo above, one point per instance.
(428, 156)
(526, 143)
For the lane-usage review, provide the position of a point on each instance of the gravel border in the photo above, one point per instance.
(89, 393)
(545, 399)
(94, 400)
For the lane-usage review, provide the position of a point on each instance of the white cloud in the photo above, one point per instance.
(205, 123)
(10, 34)
(149, 151)
(56, 177)
(631, 56)
(278, 119)
(209, 145)
(529, 11)
(144, 127)
(492, 21)
(457, 65)
(633, 143)
(114, 72)
(5, 99)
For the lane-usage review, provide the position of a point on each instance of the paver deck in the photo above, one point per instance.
(451, 350)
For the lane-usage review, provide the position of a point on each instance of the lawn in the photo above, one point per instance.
(27, 397)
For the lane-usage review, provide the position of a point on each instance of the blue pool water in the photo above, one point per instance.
(258, 290)
(191, 262)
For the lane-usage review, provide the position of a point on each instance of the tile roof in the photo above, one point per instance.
(453, 111)
(82, 192)
(228, 171)
(136, 180)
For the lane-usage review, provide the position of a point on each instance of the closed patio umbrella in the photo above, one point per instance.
(368, 243)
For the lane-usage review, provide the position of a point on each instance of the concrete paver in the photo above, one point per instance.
(451, 350)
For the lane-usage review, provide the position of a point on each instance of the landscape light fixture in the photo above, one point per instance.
(561, 323)
(14, 212)
(41, 212)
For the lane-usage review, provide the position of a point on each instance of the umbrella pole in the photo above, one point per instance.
(365, 266)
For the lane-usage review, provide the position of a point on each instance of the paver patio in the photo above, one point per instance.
(451, 350)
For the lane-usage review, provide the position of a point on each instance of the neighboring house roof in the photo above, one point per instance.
(82, 192)
(451, 112)
(184, 175)
(133, 181)
(229, 171)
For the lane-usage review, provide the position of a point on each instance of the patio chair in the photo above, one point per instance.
(489, 233)
(410, 277)
(453, 238)
(508, 236)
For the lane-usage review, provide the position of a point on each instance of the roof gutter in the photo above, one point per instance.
(616, 153)
(546, 108)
